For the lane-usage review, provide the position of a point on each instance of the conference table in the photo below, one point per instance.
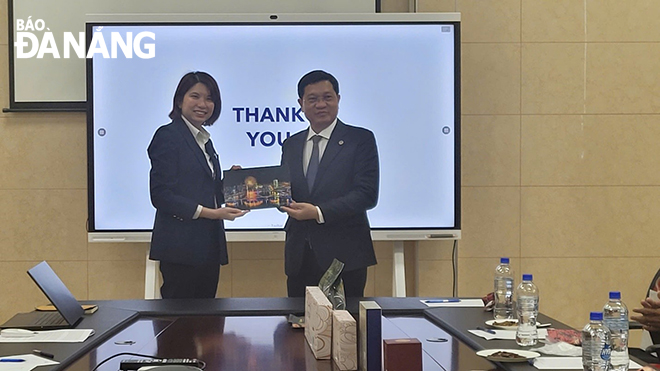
(254, 334)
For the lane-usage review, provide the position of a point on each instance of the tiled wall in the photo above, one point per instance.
(560, 162)
(559, 155)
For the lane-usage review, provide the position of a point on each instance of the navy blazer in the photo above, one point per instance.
(180, 179)
(346, 186)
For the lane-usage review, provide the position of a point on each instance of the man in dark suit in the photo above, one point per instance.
(186, 189)
(334, 181)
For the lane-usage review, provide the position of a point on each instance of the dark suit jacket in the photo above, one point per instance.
(180, 179)
(346, 186)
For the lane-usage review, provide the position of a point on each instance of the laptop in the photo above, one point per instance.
(69, 312)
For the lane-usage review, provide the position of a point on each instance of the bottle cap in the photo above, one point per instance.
(504, 260)
(615, 295)
(527, 277)
(596, 316)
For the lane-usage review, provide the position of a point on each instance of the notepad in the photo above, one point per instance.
(462, 303)
(52, 336)
(567, 363)
(31, 362)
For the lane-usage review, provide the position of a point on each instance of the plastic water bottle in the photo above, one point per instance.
(503, 290)
(615, 317)
(596, 344)
(527, 300)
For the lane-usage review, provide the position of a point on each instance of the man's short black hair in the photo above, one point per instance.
(314, 77)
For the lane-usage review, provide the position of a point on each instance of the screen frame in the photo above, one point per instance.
(246, 235)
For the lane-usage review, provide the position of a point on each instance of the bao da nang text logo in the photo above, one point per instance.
(29, 45)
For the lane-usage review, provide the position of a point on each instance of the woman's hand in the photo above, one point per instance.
(231, 213)
(226, 213)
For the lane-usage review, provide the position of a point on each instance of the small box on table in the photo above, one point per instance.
(402, 354)
(371, 336)
(344, 340)
(318, 322)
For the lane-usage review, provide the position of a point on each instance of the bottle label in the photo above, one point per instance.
(606, 352)
(617, 325)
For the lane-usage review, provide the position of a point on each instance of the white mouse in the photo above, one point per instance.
(16, 333)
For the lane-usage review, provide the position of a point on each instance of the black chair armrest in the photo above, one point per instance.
(652, 348)
(634, 325)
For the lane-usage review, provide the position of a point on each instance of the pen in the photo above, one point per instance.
(43, 354)
(487, 330)
(435, 301)
(11, 360)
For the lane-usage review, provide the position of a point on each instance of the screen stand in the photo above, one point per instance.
(398, 271)
(151, 290)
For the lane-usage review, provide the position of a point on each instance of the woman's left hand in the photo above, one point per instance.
(226, 213)
(231, 213)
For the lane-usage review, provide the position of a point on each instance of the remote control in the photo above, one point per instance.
(134, 364)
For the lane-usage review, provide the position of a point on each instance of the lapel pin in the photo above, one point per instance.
(341, 142)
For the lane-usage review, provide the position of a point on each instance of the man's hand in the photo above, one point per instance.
(301, 211)
(226, 213)
(650, 315)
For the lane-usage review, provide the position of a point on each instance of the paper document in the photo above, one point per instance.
(460, 303)
(30, 362)
(51, 336)
(504, 334)
(567, 363)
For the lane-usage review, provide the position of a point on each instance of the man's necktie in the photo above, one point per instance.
(214, 158)
(313, 166)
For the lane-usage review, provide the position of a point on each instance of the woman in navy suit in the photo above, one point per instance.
(186, 189)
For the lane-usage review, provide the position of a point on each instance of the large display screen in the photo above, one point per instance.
(398, 77)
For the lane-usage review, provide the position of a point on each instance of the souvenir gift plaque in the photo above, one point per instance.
(257, 187)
